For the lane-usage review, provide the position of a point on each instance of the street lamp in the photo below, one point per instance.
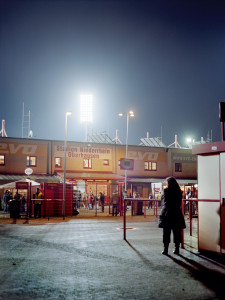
(128, 115)
(68, 113)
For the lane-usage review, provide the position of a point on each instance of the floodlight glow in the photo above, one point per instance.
(131, 113)
(86, 108)
(189, 140)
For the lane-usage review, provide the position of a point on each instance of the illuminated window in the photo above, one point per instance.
(178, 167)
(58, 162)
(106, 162)
(2, 160)
(31, 161)
(118, 162)
(87, 164)
(150, 166)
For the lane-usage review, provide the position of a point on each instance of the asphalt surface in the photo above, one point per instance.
(88, 259)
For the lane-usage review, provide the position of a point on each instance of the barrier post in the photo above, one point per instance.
(182, 231)
(144, 209)
(48, 208)
(190, 216)
(124, 219)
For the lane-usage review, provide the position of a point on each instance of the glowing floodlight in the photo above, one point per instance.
(86, 108)
(189, 140)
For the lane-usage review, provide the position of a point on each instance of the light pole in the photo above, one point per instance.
(128, 115)
(68, 113)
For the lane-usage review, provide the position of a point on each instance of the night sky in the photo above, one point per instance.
(163, 59)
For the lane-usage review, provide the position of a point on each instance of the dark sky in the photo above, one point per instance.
(163, 59)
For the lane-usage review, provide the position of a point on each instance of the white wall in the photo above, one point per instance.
(209, 212)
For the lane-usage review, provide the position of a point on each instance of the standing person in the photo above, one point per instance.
(6, 198)
(84, 200)
(150, 201)
(171, 217)
(90, 200)
(115, 202)
(102, 201)
(78, 195)
(37, 203)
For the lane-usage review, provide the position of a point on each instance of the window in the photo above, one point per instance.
(178, 167)
(150, 166)
(87, 163)
(31, 161)
(105, 162)
(2, 160)
(118, 163)
(58, 162)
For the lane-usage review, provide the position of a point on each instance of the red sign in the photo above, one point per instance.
(51, 185)
(22, 185)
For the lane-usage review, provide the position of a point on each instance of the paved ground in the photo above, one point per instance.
(88, 259)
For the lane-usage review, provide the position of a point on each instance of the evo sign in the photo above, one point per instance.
(6, 148)
(143, 155)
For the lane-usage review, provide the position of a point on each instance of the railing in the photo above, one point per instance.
(143, 202)
(192, 208)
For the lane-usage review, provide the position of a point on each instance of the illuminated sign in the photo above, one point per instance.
(28, 171)
(22, 185)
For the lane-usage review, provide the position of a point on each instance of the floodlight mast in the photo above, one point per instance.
(86, 111)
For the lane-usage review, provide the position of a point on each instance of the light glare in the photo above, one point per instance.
(189, 140)
(86, 108)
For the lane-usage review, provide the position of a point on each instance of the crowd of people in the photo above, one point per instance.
(89, 201)
(7, 202)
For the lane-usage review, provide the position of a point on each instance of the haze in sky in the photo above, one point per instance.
(163, 59)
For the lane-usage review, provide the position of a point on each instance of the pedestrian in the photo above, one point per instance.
(102, 201)
(90, 200)
(78, 196)
(150, 201)
(171, 217)
(37, 203)
(84, 197)
(6, 198)
(115, 203)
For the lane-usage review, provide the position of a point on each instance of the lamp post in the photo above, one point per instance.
(68, 113)
(128, 115)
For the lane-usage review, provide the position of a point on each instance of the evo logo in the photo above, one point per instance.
(15, 148)
(139, 155)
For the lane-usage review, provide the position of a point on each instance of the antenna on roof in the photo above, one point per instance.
(175, 143)
(3, 132)
(117, 140)
(26, 124)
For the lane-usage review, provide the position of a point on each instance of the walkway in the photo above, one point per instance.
(88, 259)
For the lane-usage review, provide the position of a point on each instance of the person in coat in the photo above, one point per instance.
(171, 217)
(37, 203)
(102, 201)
